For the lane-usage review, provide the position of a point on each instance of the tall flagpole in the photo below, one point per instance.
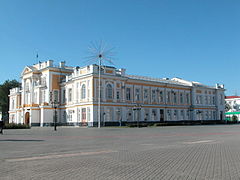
(37, 58)
(99, 91)
(99, 52)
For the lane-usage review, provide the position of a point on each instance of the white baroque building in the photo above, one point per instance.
(75, 91)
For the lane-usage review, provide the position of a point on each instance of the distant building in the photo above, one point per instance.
(124, 98)
(234, 104)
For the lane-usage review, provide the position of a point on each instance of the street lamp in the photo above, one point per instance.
(137, 108)
(54, 105)
(55, 115)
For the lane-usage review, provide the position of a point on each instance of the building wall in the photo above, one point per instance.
(124, 98)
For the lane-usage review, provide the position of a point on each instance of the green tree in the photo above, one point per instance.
(227, 106)
(234, 118)
(4, 99)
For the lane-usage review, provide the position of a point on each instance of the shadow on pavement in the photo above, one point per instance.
(25, 140)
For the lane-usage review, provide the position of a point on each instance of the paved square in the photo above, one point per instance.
(173, 152)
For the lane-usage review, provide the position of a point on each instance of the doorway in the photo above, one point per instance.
(161, 115)
(27, 118)
(84, 123)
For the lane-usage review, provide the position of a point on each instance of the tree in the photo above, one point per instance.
(227, 106)
(4, 99)
(234, 118)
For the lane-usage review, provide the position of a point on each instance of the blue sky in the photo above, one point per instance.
(196, 40)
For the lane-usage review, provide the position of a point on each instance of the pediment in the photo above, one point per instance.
(27, 70)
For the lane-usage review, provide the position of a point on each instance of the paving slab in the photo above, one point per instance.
(173, 152)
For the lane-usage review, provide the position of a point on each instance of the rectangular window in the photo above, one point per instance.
(206, 115)
(109, 114)
(35, 97)
(118, 95)
(213, 100)
(137, 94)
(78, 115)
(128, 94)
(88, 89)
(206, 99)
(214, 115)
(181, 98)
(55, 96)
(187, 98)
(161, 96)
(83, 114)
(118, 114)
(146, 116)
(154, 115)
(168, 97)
(209, 99)
(182, 114)
(200, 99)
(64, 116)
(63, 96)
(175, 114)
(154, 100)
(129, 115)
(70, 115)
(221, 99)
(77, 91)
(70, 95)
(175, 97)
(145, 95)
(12, 106)
(169, 115)
(88, 114)
(43, 96)
(188, 115)
(43, 81)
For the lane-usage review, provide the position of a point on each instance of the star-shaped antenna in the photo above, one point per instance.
(100, 52)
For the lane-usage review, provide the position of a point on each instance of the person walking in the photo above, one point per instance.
(1, 127)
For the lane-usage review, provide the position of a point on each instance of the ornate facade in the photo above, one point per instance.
(124, 98)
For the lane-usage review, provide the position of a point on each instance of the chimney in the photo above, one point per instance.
(62, 64)
(50, 63)
(123, 71)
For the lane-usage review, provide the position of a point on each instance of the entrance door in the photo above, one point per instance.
(161, 115)
(84, 123)
(221, 115)
(27, 118)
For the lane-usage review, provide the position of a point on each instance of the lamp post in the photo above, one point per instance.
(137, 108)
(54, 105)
(55, 117)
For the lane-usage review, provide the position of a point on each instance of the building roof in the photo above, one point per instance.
(174, 81)
(231, 97)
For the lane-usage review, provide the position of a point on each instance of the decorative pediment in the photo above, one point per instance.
(27, 69)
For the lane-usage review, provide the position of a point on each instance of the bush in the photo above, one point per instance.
(16, 126)
(234, 118)
(141, 124)
(160, 124)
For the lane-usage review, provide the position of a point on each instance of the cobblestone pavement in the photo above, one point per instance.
(176, 152)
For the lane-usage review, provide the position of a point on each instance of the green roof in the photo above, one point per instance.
(229, 113)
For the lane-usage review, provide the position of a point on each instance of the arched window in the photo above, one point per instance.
(109, 91)
(83, 91)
